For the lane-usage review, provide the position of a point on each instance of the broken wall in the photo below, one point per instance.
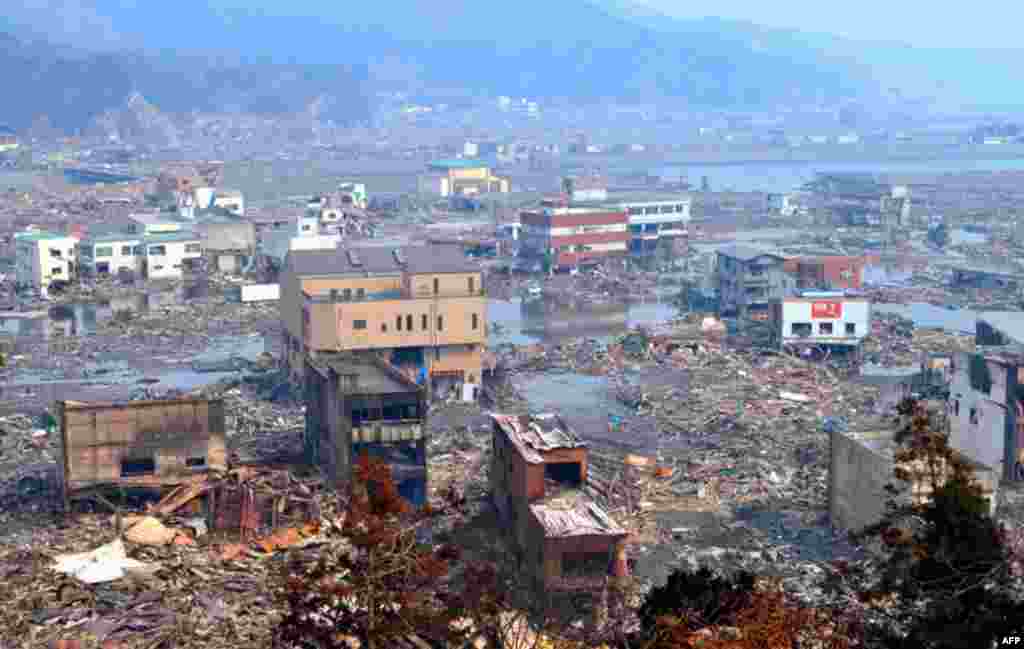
(146, 443)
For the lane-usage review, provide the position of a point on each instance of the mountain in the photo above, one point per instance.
(73, 87)
(576, 49)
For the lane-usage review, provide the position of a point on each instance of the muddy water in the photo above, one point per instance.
(525, 322)
(82, 318)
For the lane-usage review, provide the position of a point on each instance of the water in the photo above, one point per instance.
(524, 323)
(787, 175)
(83, 318)
(928, 316)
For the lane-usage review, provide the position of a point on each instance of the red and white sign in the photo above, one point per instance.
(826, 310)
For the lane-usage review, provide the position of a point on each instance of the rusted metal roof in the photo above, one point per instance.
(580, 517)
(533, 436)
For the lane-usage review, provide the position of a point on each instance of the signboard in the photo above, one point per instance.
(826, 310)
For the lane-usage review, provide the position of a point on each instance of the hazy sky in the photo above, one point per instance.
(986, 24)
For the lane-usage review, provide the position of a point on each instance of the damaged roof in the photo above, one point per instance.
(372, 379)
(746, 253)
(535, 435)
(583, 517)
(371, 259)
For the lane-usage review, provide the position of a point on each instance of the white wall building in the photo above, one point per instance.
(41, 258)
(824, 318)
(109, 253)
(166, 254)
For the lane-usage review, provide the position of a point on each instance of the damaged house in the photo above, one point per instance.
(358, 404)
(150, 444)
(564, 539)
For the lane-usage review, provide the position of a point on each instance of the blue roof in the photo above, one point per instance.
(457, 163)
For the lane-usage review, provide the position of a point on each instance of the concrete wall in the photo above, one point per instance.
(982, 437)
(857, 479)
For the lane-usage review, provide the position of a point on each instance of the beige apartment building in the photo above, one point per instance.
(422, 308)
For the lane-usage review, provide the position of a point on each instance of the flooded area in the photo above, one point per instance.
(929, 316)
(524, 322)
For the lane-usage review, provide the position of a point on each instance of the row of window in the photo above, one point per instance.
(405, 323)
(678, 208)
(103, 252)
(824, 329)
(347, 294)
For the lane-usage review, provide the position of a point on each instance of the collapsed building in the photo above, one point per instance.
(564, 540)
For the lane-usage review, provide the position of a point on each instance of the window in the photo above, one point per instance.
(158, 267)
(348, 294)
(851, 329)
(408, 323)
(383, 327)
(801, 329)
(636, 211)
(155, 251)
(398, 323)
(137, 251)
(668, 209)
(437, 353)
(360, 293)
(195, 462)
(956, 407)
(126, 251)
(825, 328)
(426, 323)
(974, 415)
(55, 271)
(564, 473)
(137, 466)
(440, 323)
(193, 248)
(472, 285)
(680, 208)
(359, 324)
(104, 251)
(636, 229)
(56, 254)
(476, 321)
(437, 286)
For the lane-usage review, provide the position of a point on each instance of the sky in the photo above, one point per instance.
(925, 23)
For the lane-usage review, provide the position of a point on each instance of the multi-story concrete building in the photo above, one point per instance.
(749, 280)
(110, 254)
(653, 218)
(358, 405)
(566, 235)
(829, 272)
(42, 258)
(422, 307)
(167, 255)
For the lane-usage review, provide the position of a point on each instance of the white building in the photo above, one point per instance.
(305, 236)
(653, 216)
(166, 255)
(108, 254)
(821, 318)
(146, 224)
(41, 258)
(230, 200)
